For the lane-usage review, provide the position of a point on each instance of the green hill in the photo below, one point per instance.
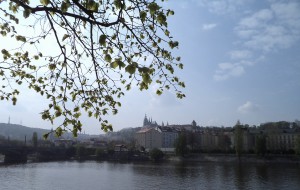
(18, 132)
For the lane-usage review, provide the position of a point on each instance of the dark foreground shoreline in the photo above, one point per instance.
(231, 158)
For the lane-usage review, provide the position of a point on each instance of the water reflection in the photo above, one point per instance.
(262, 173)
(105, 175)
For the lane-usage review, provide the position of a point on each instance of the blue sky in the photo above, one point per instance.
(242, 62)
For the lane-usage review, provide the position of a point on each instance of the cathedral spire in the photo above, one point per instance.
(145, 121)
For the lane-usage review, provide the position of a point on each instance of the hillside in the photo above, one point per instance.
(18, 132)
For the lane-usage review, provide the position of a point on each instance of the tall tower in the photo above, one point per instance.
(8, 120)
(145, 121)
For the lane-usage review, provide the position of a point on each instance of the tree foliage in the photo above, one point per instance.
(82, 55)
(238, 139)
(156, 154)
(181, 145)
(80, 151)
(35, 139)
(297, 145)
(260, 144)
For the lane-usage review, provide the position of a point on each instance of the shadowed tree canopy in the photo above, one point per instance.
(238, 138)
(82, 55)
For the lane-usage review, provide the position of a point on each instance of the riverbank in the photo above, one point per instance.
(203, 157)
(247, 158)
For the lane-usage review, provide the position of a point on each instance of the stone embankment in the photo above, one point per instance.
(248, 158)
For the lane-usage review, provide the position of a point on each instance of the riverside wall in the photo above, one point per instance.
(247, 158)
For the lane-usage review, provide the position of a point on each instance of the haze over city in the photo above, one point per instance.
(241, 62)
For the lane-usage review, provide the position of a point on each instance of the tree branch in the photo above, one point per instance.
(56, 10)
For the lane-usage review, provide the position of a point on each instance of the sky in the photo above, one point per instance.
(241, 62)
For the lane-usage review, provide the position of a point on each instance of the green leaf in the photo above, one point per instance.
(118, 4)
(167, 33)
(59, 131)
(153, 7)
(45, 2)
(64, 6)
(170, 68)
(107, 58)
(170, 12)
(146, 78)
(114, 111)
(180, 66)
(75, 131)
(65, 37)
(173, 44)
(158, 92)
(120, 63)
(20, 38)
(102, 40)
(161, 19)
(76, 109)
(52, 67)
(57, 113)
(77, 115)
(14, 100)
(143, 15)
(131, 68)
(45, 136)
(114, 64)
(92, 5)
(26, 13)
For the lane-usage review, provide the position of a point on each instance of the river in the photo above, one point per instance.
(73, 175)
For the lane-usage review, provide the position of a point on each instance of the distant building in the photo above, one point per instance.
(149, 138)
(281, 141)
(169, 136)
(208, 141)
(120, 148)
(66, 143)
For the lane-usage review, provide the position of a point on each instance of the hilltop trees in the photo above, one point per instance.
(83, 55)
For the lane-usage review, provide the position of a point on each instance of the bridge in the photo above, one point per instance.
(15, 153)
(19, 153)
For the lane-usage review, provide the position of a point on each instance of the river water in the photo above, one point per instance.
(93, 175)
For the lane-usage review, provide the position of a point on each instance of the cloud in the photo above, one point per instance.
(222, 6)
(248, 107)
(226, 70)
(209, 26)
(258, 19)
(262, 32)
(166, 99)
(240, 54)
(183, 4)
(271, 29)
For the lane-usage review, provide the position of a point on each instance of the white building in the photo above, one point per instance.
(149, 138)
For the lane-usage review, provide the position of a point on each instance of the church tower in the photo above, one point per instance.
(146, 122)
